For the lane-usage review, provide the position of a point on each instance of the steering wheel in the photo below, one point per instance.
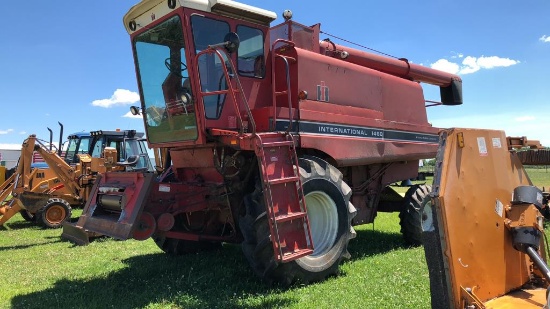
(182, 65)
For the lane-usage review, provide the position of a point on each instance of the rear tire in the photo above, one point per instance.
(330, 213)
(54, 213)
(411, 215)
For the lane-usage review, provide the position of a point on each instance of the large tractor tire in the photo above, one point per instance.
(329, 212)
(174, 246)
(54, 213)
(411, 216)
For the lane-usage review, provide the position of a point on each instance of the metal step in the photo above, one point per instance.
(290, 216)
(296, 255)
(277, 181)
(288, 221)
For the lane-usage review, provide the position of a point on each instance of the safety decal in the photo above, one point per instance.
(482, 146)
(496, 142)
(499, 208)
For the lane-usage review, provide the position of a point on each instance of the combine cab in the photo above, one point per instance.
(274, 139)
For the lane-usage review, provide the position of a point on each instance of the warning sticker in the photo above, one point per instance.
(482, 146)
(496, 142)
(499, 208)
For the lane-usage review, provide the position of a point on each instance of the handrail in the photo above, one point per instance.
(274, 97)
(230, 90)
(287, 67)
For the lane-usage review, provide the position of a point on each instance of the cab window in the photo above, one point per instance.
(250, 56)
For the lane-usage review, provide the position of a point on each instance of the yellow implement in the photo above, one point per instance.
(483, 226)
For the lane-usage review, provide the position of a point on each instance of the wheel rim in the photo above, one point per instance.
(55, 214)
(323, 220)
(427, 216)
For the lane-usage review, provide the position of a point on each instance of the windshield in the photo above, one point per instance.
(138, 148)
(76, 146)
(207, 31)
(164, 78)
(125, 148)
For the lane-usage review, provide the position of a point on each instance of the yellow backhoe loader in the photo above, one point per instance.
(46, 194)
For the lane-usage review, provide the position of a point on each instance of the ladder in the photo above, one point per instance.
(284, 197)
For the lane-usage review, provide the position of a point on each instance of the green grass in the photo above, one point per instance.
(39, 270)
(540, 177)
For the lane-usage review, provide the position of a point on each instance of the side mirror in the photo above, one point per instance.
(134, 110)
(231, 42)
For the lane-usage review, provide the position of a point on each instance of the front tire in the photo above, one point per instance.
(54, 213)
(329, 212)
(411, 214)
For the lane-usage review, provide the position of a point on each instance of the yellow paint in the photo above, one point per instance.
(474, 215)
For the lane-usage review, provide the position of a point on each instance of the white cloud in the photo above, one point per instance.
(129, 115)
(446, 66)
(545, 39)
(119, 97)
(6, 131)
(525, 118)
(457, 55)
(472, 64)
(23, 132)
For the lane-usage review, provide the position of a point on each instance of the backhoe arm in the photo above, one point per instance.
(64, 172)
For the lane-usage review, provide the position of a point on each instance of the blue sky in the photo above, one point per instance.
(71, 61)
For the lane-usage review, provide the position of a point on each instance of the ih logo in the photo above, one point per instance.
(322, 92)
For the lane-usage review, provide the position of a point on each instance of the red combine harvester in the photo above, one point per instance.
(274, 139)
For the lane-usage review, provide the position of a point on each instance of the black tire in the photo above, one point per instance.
(53, 215)
(174, 246)
(410, 216)
(320, 181)
(29, 217)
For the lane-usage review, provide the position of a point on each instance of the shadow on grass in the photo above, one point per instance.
(221, 279)
(373, 242)
(205, 280)
(21, 225)
(19, 247)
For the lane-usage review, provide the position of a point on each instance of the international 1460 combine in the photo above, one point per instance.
(275, 139)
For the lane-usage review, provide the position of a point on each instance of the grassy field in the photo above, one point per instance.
(39, 270)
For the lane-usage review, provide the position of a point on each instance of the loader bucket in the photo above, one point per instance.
(75, 234)
(33, 201)
(113, 209)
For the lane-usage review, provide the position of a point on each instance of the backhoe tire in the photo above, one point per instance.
(411, 215)
(330, 213)
(174, 246)
(29, 217)
(53, 215)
